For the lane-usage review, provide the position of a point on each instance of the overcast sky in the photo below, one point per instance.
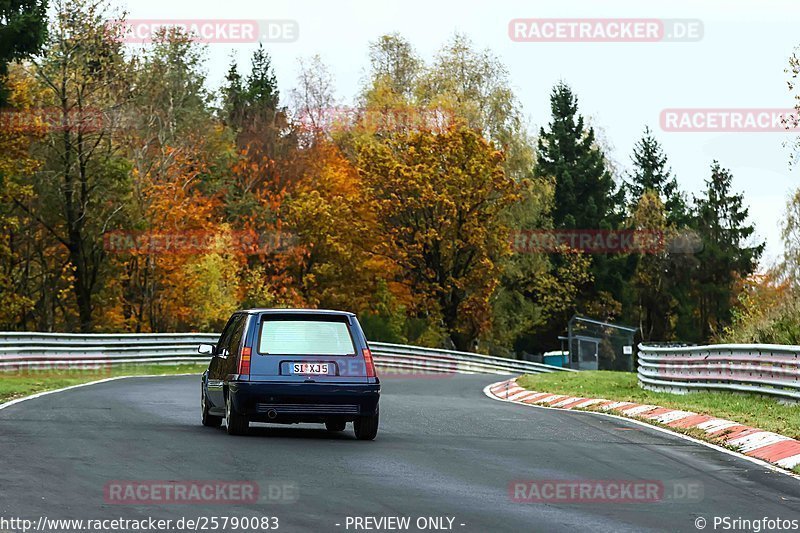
(622, 86)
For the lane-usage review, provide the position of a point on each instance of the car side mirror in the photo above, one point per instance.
(206, 349)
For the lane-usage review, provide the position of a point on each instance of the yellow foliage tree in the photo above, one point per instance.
(439, 201)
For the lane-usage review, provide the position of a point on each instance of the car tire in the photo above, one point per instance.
(366, 427)
(235, 423)
(208, 420)
(335, 425)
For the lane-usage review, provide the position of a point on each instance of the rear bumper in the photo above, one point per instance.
(303, 402)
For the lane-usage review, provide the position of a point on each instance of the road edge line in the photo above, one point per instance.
(79, 385)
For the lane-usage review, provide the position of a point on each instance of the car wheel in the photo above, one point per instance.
(335, 425)
(207, 419)
(235, 423)
(366, 427)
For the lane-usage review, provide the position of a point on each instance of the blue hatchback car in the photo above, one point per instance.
(288, 366)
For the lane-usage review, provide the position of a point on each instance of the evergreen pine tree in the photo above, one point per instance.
(663, 282)
(727, 256)
(23, 30)
(250, 106)
(585, 198)
(651, 173)
(262, 87)
(233, 97)
(585, 194)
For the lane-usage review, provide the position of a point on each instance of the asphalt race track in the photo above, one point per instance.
(443, 450)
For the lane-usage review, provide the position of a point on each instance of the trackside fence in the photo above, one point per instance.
(769, 369)
(48, 350)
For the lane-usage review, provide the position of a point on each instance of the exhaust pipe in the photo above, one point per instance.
(272, 414)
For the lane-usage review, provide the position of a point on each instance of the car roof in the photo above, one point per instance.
(268, 310)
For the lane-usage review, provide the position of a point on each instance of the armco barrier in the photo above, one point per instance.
(770, 369)
(22, 349)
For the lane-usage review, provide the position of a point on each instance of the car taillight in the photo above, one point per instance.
(244, 360)
(370, 365)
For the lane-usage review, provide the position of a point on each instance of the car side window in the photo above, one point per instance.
(225, 338)
(237, 335)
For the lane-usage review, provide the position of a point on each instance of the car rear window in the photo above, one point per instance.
(283, 336)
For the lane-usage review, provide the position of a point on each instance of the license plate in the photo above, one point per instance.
(310, 368)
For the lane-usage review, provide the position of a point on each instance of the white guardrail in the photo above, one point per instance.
(770, 369)
(69, 350)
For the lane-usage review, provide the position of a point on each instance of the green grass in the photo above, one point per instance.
(17, 384)
(748, 409)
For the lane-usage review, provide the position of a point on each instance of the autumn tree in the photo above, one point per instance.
(792, 122)
(182, 158)
(313, 99)
(23, 27)
(394, 67)
(654, 293)
(474, 85)
(439, 201)
(462, 83)
(767, 311)
(469, 87)
(336, 268)
(789, 267)
(24, 299)
(82, 185)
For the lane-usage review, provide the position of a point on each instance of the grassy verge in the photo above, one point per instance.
(23, 383)
(748, 409)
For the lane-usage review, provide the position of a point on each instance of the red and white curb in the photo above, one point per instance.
(764, 445)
